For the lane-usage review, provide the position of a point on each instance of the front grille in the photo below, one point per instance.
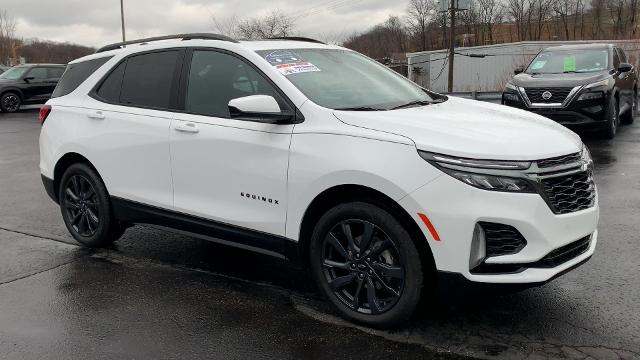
(570, 193)
(563, 254)
(559, 160)
(558, 95)
(502, 239)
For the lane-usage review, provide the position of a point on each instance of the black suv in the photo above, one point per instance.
(28, 84)
(577, 85)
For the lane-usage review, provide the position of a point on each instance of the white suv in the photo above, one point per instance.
(319, 155)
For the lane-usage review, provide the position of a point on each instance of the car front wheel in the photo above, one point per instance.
(366, 264)
(613, 119)
(10, 102)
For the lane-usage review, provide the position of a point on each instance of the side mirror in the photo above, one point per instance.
(625, 67)
(260, 108)
(28, 79)
(518, 70)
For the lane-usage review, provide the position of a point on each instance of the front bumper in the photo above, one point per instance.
(454, 209)
(579, 113)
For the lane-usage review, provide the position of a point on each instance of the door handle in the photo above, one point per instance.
(187, 127)
(97, 114)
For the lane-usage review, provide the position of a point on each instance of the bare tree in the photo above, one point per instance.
(564, 10)
(227, 26)
(490, 13)
(517, 10)
(419, 14)
(8, 42)
(275, 24)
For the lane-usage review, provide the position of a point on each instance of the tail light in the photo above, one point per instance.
(44, 112)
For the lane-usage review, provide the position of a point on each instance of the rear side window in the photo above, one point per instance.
(111, 86)
(74, 75)
(55, 72)
(148, 79)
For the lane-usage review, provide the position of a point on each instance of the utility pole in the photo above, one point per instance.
(452, 39)
(122, 19)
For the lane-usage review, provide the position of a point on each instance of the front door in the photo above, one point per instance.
(228, 170)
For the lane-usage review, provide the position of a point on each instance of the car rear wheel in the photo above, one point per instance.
(10, 102)
(613, 119)
(366, 264)
(86, 208)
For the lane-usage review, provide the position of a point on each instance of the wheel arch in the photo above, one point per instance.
(63, 164)
(12, 90)
(352, 192)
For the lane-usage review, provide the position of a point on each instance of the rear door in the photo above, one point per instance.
(232, 171)
(131, 111)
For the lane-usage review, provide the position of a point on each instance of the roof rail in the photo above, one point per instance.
(204, 36)
(297, 38)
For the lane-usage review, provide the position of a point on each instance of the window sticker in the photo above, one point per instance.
(288, 62)
(538, 64)
(296, 68)
(570, 63)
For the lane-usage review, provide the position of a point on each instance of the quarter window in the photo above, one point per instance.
(215, 78)
(76, 74)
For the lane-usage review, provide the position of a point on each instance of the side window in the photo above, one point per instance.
(76, 74)
(38, 73)
(148, 79)
(55, 72)
(112, 84)
(216, 77)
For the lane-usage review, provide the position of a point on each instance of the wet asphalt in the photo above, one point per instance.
(159, 295)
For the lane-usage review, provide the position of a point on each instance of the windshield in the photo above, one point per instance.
(13, 73)
(342, 79)
(569, 61)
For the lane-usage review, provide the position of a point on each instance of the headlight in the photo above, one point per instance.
(511, 97)
(586, 155)
(494, 175)
(591, 95)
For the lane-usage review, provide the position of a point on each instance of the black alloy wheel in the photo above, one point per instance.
(362, 266)
(86, 207)
(366, 263)
(613, 119)
(82, 205)
(10, 102)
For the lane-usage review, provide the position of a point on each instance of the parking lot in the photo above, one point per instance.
(162, 295)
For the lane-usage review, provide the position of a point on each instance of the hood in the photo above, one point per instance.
(558, 80)
(472, 129)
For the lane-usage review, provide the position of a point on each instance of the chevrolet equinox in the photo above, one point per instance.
(319, 155)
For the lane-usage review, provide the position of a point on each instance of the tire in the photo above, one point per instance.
(343, 274)
(630, 115)
(86, 209)
(10, 102)
(613, 119)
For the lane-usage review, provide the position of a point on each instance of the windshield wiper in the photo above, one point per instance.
(359, 108)
(414, 103)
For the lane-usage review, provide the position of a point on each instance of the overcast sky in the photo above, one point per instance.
(97, 22)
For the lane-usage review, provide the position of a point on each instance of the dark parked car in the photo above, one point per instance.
(578, 85)
(28, 84)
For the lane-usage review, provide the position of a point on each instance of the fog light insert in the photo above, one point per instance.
(478, 247)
